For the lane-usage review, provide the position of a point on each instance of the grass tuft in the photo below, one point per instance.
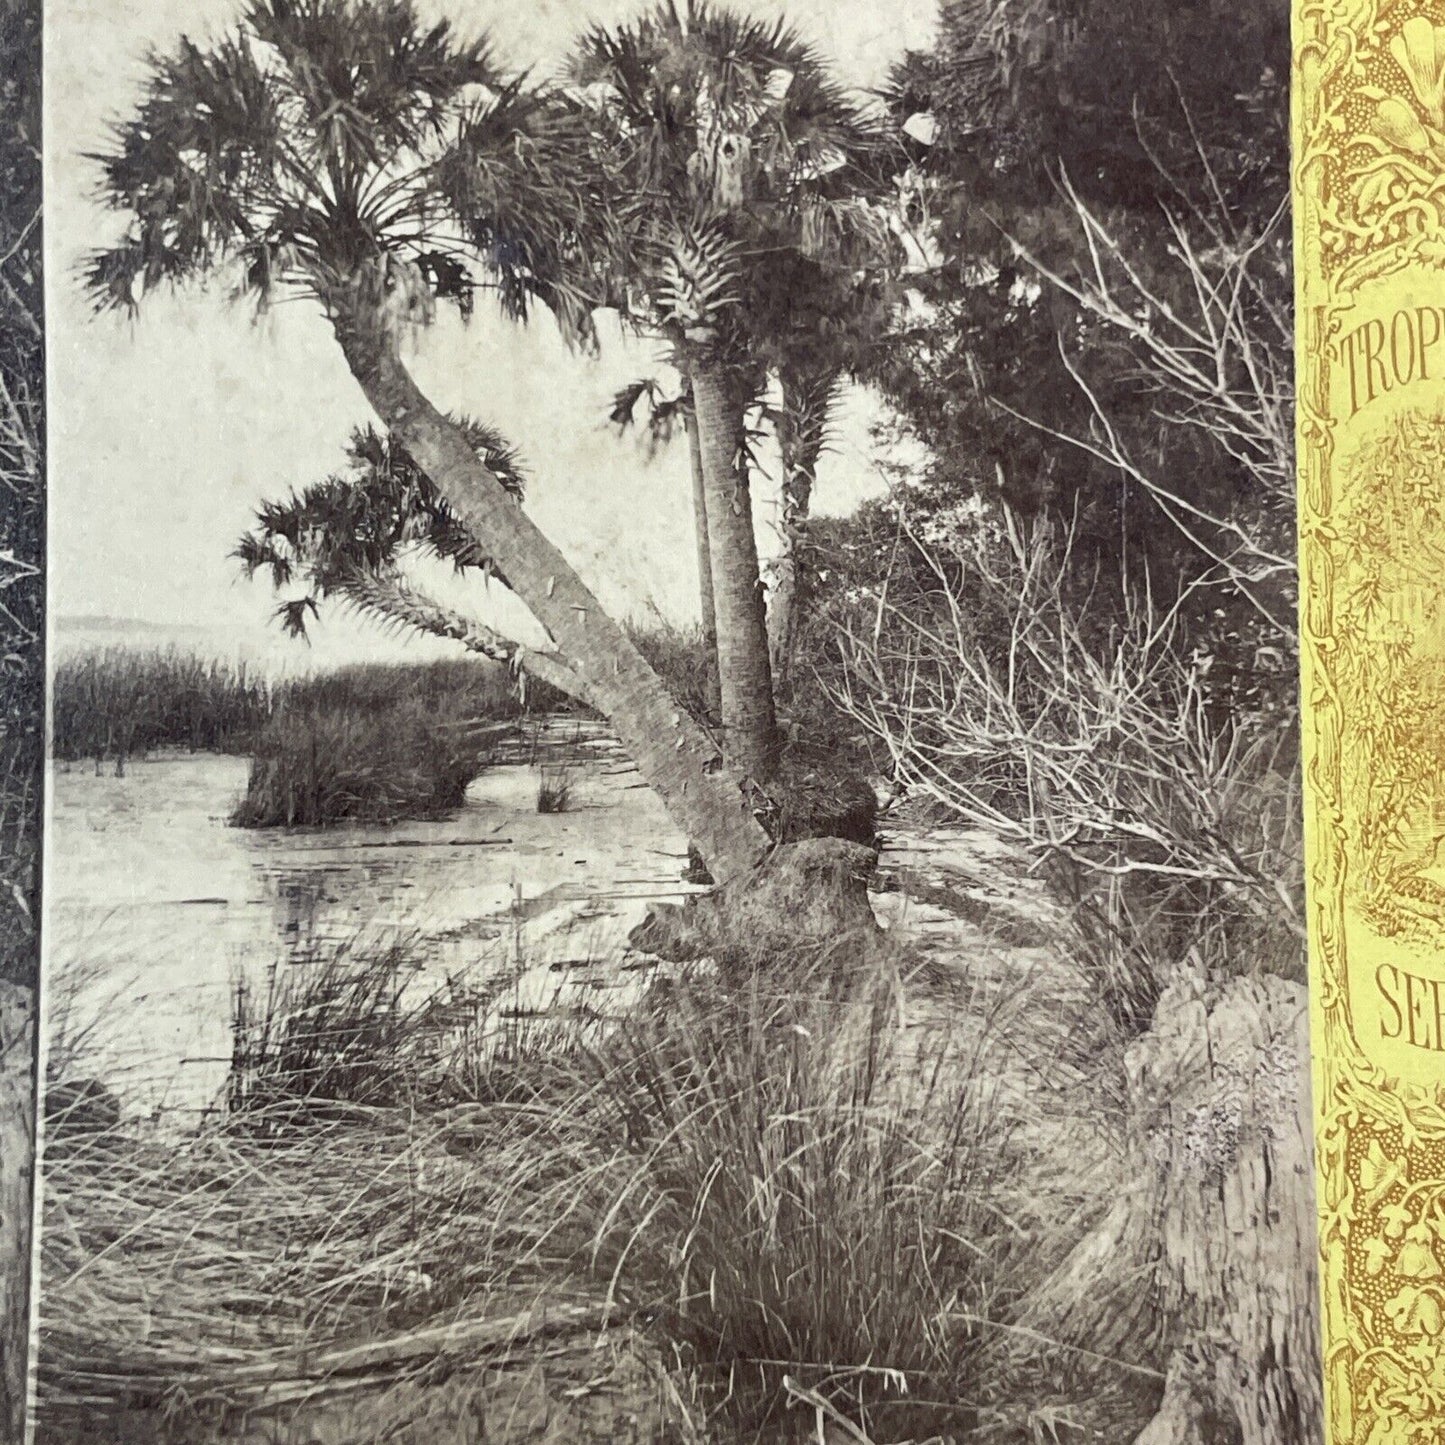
(789, 1185)
(375, 745)
(554, 790)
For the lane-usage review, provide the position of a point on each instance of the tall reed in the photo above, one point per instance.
(116, 702)
(376, 743)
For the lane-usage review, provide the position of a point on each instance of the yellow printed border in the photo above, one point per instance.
(1369, 191)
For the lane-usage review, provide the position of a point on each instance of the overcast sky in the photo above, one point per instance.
(166, 431)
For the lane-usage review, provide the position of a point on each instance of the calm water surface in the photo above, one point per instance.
(156, 908)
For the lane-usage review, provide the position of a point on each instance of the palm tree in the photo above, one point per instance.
(725, 148)
(824, 322)
(662, 414)
(347, 537)
(306, 148)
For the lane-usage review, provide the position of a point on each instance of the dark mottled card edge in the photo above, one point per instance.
(22, 679)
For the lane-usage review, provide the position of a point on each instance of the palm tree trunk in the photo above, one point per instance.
(704, 797)
(750, 727)
(801, 431)
(704, 567)
(395, 602)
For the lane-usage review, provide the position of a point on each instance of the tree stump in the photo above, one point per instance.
(1221, 1117)
(1189, 1413)
(1205, 1266)
(813, 893)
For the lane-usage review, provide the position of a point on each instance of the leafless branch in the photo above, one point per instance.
(1105, 750)
(1218, 358)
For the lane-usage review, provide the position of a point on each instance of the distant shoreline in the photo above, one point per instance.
(274, 654)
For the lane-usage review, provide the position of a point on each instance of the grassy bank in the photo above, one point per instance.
(777, 1198)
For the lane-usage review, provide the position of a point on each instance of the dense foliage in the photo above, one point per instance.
(1084, 175)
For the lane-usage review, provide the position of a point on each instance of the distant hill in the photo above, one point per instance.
(97, 625)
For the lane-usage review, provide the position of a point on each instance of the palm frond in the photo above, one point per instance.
(626, 401)
(362, 521)
(663, 413)
(299, 147)
(726, 151)
(292, 615)
(698, 279)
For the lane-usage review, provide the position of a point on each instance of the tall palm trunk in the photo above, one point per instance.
(750, 727)
(802, 427)
(704, 797)
(704, 565)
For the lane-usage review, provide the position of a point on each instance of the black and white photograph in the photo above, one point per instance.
(672, 741)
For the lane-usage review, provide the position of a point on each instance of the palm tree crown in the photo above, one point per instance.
(726, 146)
(306, 145)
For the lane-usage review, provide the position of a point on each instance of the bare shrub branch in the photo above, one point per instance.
(1101, 747)
(1212, 343)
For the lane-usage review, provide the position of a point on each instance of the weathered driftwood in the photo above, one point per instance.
(1206, 1267)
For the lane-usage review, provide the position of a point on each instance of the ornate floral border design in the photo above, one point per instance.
(1369, 187)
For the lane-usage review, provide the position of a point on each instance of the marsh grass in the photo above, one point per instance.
(313, 766)
(189, 1269)
(321, 1034)
(375, 745)
(116, 703)
(795, 1182)
(360, 1024)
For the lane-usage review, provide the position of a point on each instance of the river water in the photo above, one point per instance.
(156, 909)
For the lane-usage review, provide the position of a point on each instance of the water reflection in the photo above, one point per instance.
(156, 908)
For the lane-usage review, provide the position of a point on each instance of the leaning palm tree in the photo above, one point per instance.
(724, 145)
(349, 537)
(303, 149)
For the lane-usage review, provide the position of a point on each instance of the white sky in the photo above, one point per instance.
(165, 432)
